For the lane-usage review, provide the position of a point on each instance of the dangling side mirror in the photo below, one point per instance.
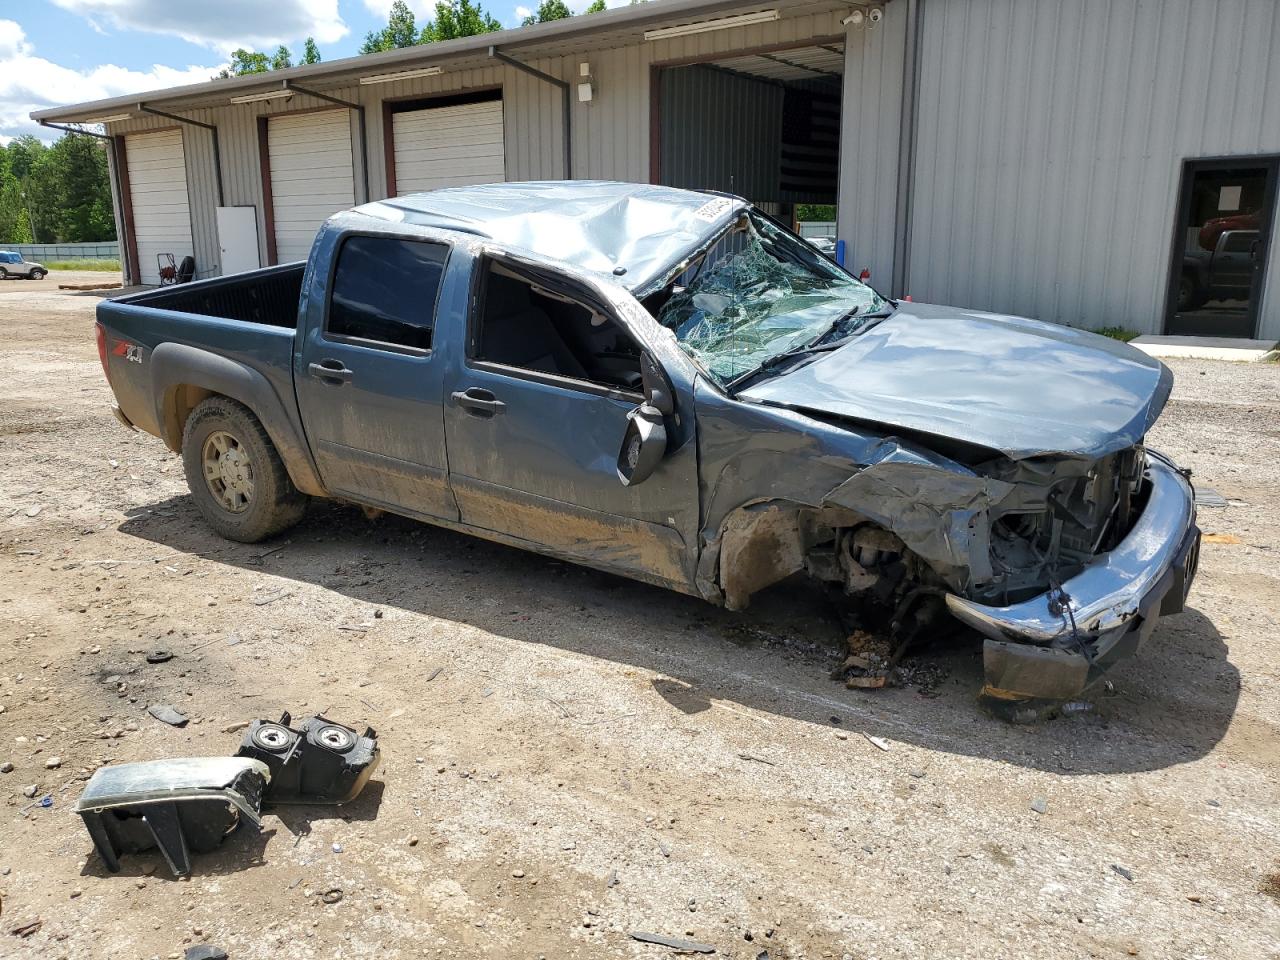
(645, 442)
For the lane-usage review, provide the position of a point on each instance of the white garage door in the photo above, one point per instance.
(311, 176)
(449, 147)
(158, 190)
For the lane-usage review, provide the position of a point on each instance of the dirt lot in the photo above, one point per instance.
(596, 756)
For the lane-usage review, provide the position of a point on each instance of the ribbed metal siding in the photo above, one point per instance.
(721, 131)
(1051, 141)
(870, 131)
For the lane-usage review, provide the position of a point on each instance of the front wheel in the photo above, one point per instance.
(38, 274)
(237, 479)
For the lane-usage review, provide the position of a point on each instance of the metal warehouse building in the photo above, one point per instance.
(1090, 162)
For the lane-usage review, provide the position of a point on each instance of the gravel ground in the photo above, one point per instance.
(596, 756)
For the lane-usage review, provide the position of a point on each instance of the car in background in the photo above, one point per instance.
(12, 266)
(825, 245)
(1225, 274)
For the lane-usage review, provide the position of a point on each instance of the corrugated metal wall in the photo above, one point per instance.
(721, 131)
(870, 132)
(1050, 143)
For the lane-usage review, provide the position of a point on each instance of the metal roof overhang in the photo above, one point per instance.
(597, 31)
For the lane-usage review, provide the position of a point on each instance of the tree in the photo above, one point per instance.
(547, 11)
(283, 59)
(597, 6)
(310, 52)
(244, 62)
(401, 31)
(22, 230)
(23, 152)
(458, 18)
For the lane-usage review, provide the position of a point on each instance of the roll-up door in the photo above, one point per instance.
(311, 176)
(448, 146)
(158, 191)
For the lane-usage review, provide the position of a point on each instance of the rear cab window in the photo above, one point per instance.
(384, 292)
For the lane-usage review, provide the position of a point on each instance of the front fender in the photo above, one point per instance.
(176, 366)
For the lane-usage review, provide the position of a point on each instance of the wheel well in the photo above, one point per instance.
(178, 404)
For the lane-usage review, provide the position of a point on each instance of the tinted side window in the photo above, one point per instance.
(384, 290)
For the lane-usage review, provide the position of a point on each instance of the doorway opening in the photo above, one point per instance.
(1225, 215)
(763, 124)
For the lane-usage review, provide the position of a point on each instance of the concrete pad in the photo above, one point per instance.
(1205, 348)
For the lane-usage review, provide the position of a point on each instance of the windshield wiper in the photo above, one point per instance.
(778, 359)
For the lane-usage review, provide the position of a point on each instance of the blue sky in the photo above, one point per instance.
(66, 51)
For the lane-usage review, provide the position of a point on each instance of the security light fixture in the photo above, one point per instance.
(854, 19)
(115, 117)
(258, 97)
(706, 26)
(402, 75)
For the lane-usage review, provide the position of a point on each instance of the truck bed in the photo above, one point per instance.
(268, 296)
(236, 331)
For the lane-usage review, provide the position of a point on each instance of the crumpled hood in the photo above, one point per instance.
(1019, 386)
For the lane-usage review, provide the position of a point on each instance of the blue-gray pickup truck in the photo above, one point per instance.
(669, 385)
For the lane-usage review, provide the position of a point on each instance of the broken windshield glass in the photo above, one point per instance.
(757, 294)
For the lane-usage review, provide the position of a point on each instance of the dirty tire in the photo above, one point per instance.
(274, 504)
(38, 274)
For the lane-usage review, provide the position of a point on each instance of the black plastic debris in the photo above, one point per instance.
(159, 656)
(319, 762)
(204, 951)
(675, 943)
(182, 806)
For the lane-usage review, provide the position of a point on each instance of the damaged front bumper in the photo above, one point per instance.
(1058, 644)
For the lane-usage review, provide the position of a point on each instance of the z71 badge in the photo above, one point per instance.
(130, 351)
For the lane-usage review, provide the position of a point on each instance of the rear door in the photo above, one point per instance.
(369, 379)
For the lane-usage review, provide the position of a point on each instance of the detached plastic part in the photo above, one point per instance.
(183, 806)
(320, 762)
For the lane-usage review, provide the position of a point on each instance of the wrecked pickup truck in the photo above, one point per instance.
(669, 385)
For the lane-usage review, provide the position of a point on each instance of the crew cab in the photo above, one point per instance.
(669, 385)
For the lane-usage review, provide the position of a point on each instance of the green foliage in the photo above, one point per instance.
(245, 62)
(597, 6)
(458, 18)
(806, 212)
(22, 230)
(58, 194)
(547, 11)
(310, 52)
(401, 31)
(97, 266)
(283, 59)
(1117, 333)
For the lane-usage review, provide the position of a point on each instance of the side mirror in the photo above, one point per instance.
(645, 442)
(643, 445)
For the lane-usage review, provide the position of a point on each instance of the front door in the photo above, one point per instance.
(535, 416)
(370, 385)
(1225, 218)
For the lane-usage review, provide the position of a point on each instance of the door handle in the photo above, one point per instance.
(333, 372)
(478, 402)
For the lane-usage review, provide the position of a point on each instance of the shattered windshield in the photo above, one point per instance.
(759, 293)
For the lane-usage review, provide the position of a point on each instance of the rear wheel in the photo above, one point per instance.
(236, 477)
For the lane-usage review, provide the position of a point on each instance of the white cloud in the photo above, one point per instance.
(29, 82)
(222, 25)
(522, 12)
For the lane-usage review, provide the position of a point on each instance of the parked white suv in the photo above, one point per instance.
(13, 266)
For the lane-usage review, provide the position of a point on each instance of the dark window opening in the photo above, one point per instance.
(530, 327)
(384, 291)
